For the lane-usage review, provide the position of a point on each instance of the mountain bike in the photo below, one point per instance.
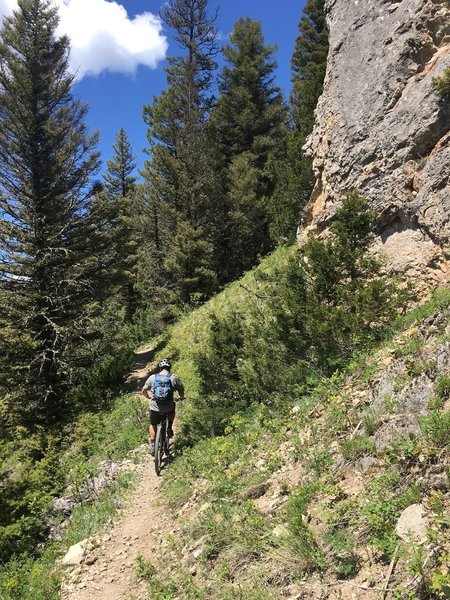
(162, 444)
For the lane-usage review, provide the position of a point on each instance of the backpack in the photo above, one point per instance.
(162, 388)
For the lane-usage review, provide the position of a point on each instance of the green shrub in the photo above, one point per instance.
(442, 386)
(27, 579)
(435, 428)
(441, 85)
(220, 394)
(27, 487)
(99, 385)
(320, 461)
(334, 300)
(439, 301)
(144, 568)
(380, 508)
(342, 545)
(299, 543)
(126, 426)
(357, 447)
(404, 450)
(240, 530)
(370, 422)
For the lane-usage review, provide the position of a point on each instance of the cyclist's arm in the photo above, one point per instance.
(147, 389)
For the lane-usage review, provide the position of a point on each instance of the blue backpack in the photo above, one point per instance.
(162, 388)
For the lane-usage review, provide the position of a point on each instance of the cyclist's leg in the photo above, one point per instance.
(171, 420)
(155, 418)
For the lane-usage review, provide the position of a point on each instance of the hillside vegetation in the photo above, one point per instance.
(312, 451)
(300, 466)
(292, 320)
(91, 267)
(306, 503)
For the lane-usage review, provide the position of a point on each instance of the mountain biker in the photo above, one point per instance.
(158, 408)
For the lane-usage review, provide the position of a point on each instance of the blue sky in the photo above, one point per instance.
(119, 49)
(116, 100)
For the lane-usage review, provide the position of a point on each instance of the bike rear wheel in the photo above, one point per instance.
(160, 444)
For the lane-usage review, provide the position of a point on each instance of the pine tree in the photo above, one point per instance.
(334, 298)
(247, 210)
(119, 177)
(309, 63)
(248, 121)
(48, 238)
(118, 201)
(293, 172)
(178, 177)
(250, 113)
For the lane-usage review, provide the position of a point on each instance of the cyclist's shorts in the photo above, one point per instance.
(158, 417)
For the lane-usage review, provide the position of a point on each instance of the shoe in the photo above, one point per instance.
(170, 432)
(152, 448)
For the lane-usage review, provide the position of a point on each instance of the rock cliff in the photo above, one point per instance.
(381, 129)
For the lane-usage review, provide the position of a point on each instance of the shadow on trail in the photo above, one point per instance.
(166, 461)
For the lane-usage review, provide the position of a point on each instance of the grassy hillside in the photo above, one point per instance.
(309, 504)
(297, 496)
(191, 344)
(191, 334)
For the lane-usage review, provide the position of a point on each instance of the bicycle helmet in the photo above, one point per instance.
(164, 364)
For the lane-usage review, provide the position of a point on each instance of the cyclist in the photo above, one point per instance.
(159, 389)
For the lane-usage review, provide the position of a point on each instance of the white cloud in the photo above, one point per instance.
(104, 38)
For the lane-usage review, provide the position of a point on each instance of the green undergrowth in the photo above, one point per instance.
(308, 494)
(39, 577)
(185, 585)
(441, 85)
(192, 331)
(298, 317)
(104, 435)
(251, 519)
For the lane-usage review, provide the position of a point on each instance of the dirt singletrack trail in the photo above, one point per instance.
(108, 571)
(112, 575)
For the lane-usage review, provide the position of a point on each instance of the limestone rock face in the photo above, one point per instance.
(381, 129)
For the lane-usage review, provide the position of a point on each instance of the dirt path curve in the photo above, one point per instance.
(108, 571)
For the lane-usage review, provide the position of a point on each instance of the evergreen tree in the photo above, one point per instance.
(335, 299)
(177, 176)
(309, 63)
(294, 182)
(246, 211)
(48, 238)
(119, 177)
(247, 122)
(118, 202)
(294, 176)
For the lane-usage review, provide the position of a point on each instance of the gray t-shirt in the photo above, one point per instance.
(165, 406)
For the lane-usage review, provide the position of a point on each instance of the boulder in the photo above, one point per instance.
(75, 554)
(412, 524)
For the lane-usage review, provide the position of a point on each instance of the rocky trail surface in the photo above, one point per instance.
(104, 567)
(108, 567)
